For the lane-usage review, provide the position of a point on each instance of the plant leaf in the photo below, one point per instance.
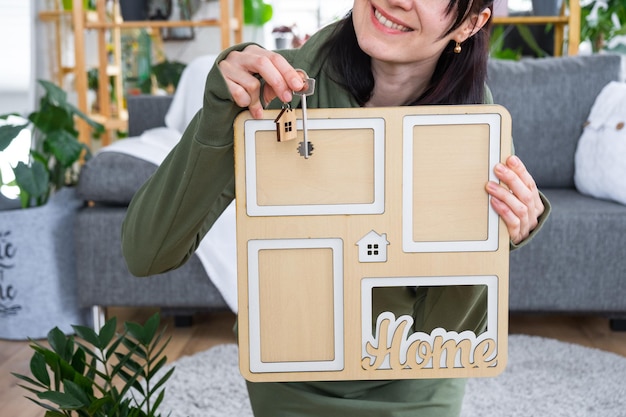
(163, 379)
(8, 133)
(54, 93)
(50, 118)
(77, 392)
(89, 335)
(96, 405)
(64, 146)
(39, 369)
(78, 361)
(57, 340)
(45, 406)
(32, 179)
(151, 326)
(529, 39)
(54, 414)
(137, 331)
(108, 331)
(158, 401)
(62, 399)
(30, 381)
(154, 369)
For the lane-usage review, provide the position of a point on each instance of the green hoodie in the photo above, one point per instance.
(174, 209)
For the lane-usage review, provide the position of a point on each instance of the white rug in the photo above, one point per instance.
(543, 377)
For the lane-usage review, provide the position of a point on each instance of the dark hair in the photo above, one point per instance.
(458, 78)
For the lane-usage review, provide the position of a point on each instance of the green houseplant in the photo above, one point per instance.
(601, 21)
(100, 374)
(257, 12)
(40, 268)
(55, 150)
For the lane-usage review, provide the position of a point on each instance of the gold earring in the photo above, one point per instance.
(457, 48)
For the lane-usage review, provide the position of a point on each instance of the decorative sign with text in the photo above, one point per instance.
(335, 248)
(9, 305)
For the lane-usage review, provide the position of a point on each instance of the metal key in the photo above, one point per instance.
(305, 148)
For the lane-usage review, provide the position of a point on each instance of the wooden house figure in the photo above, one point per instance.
(286, 128)
(373, 247)
(330, 237)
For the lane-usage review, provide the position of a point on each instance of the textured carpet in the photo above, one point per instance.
(543, 377)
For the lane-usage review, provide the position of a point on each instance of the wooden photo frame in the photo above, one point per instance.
(392, 199)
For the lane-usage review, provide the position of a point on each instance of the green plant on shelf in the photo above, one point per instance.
(602, 22)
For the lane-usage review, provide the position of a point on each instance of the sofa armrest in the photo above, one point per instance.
(146, 112)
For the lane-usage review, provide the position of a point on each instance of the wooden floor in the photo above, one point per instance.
(216, 328)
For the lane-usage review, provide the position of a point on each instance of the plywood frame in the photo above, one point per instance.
(316, 234)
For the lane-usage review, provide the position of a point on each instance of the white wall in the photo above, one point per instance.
(308, 15)
(15, 48)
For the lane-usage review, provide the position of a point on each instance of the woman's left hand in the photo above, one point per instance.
(516, 199)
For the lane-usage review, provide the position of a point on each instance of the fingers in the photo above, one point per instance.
(243, 71)
(516, 199)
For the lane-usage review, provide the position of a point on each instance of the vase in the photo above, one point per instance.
(133, 10)
(38, 269)
(546, 7)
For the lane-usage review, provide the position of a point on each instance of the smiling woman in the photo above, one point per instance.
(386, 53)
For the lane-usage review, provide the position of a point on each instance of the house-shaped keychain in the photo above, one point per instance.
(286, 124)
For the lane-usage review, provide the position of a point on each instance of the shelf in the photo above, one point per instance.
(107, 22)
(159, 24)
(119, 122)
(52, 15)
(529, 20)
(568, 17)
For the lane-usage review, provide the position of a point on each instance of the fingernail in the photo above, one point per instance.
(514, 160)
(297, 81)
(500, 167)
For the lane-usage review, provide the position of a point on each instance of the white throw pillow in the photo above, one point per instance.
(189, 94)
(600, 163)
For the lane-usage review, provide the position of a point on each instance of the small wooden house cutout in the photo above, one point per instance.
(373, 247)
(286, 128)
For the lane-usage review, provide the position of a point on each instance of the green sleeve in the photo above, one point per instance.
(174, 209)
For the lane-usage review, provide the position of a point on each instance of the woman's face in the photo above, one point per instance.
(403, 31)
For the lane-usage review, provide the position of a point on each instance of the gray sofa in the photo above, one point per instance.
(575, 265)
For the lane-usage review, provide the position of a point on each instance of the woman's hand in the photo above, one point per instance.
(242, 70)
(516, 199)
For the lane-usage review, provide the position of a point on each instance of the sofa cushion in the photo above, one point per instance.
(601, 152)
(113, 178)
(549, 100)
(576, 262)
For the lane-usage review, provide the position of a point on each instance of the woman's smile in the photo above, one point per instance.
(388, 22)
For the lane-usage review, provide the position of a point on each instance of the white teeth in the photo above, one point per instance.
(388, 23)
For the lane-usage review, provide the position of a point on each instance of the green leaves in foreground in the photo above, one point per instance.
(100, 374)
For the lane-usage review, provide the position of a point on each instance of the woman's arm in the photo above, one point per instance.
(175, 208)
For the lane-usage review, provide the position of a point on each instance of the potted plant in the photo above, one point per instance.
(37, 272)
(256, 13)
(100, 374)
(603, 25)
(167, 74)
(56, 149)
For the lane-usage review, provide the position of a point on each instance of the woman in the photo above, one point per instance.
(384, 53)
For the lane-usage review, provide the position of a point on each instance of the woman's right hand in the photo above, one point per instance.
(242, 70)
